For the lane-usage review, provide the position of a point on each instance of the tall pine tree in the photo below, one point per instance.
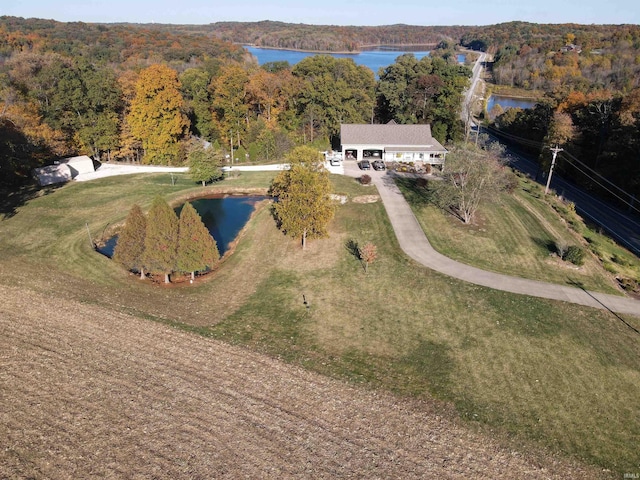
(161, 240)
(197, 250)
(130, 247)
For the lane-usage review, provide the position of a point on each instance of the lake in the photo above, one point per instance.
(224, 217)
(374, 59)
(509, 102)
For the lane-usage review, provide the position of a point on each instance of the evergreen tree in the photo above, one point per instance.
(161, 241)
(131, 241)
(197, 250)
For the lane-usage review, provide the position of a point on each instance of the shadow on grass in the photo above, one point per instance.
(11, 198)
(416, 190)
(429, 365)
(352, 247)
(545, 244)
(581, 287)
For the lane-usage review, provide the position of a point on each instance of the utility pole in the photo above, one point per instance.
(553, 162)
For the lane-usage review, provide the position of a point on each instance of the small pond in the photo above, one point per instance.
(224, 216)
(509, 102)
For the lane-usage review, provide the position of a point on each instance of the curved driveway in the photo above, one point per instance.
(415, 244)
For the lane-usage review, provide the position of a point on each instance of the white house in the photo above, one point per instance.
(64, 170)
(392, 143)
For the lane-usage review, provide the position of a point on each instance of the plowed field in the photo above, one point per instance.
(88, 392)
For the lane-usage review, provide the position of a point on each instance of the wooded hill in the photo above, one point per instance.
(73, 88)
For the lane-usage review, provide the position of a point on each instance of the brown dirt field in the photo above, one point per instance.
(86, 392)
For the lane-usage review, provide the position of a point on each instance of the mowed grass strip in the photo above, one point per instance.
(516, 235)
(531, 370)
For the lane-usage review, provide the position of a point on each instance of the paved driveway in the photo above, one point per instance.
(415, 244)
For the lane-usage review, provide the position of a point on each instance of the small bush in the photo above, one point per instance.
(511, 182)
(365, 180)
(609, 267)
(620, 261)
(575, 255)
(422, 182)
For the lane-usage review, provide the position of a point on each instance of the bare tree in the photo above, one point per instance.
(473, 177)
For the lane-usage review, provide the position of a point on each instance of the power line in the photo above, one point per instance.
(598, 174)
(626, 202)
(533, 143)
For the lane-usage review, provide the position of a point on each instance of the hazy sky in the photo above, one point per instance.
(330, 12)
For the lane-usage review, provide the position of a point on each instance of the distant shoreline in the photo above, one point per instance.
(338, 52)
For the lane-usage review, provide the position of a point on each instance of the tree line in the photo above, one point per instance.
(161, 243)
(59, 97)
(598, 130)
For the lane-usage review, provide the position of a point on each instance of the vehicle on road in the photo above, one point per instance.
(364, 165)
(378, 165)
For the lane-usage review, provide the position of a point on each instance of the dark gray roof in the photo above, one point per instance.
(389, 135)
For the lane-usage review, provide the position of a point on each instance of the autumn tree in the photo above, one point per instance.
(130, 247)
(204, 163)
(197, 250)
(303, 209)
(156, 116)
(561, 129)
(161, 239)
(368, 253)
(229, 97)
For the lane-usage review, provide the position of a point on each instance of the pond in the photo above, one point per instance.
(224, 216)
(509, 102)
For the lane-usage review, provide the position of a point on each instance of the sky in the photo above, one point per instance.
(329, 12)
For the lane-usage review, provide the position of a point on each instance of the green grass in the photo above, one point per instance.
(516, 235)
(533, 371)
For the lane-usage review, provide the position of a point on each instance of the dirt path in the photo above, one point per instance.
(86, 392)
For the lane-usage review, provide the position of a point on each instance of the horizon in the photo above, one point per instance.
(359, 13)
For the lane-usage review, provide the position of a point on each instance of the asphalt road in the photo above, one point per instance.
(623, 226)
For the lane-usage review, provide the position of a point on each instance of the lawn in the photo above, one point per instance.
(515, 234)
(531, 371)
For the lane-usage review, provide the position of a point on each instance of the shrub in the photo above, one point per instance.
(511, 182)
(365, 180)
(422, 182)
(575, 255)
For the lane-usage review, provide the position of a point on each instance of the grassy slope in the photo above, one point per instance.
(565, 376)
(515, 235)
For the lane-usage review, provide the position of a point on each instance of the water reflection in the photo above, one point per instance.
(224, 217)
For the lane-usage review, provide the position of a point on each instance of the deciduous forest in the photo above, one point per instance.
(140, 93)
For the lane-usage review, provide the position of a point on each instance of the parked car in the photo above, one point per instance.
(364, 165)
(378, 165)
(334, 161)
